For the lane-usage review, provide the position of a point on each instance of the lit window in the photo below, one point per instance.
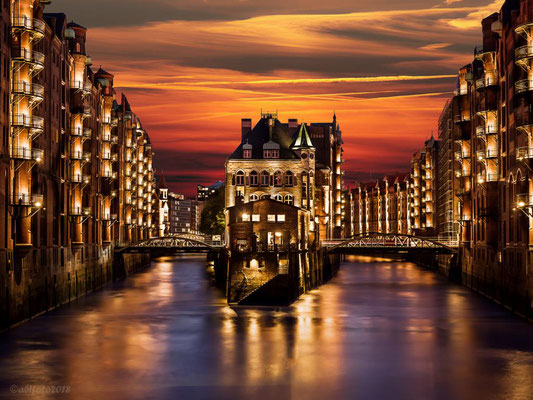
(289, 199)
(278, 179)
(271, 218)
(240, 179)
(253, 178)
(278, 197)
(247, 153)
(288, 178)
(254, 197)
(256, 218)
(245, 217)
(265, 178)
(281, 217)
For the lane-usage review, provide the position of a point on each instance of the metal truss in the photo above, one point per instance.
(380, 240)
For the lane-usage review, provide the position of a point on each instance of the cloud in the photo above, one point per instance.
(473, 19)
(436, 46)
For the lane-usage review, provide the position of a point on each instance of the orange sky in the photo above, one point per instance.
(193, 69)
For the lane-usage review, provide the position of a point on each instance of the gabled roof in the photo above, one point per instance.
(260, 135)
(302, 141)
(72, 24)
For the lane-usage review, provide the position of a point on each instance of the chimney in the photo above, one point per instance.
(246, 127)
(293, 123)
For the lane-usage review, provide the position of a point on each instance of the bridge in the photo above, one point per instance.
(389, 243)
(174, 244)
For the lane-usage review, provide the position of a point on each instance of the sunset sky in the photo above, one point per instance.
(193, 68)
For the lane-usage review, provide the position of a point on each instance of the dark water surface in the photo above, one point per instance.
(379, 330)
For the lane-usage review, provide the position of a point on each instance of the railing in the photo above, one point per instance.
(30, 24)
(27, 200)
(522, 86)
(488, 153)
(25, 153)
(29, 89)
(459, 155)
(523, 52)
(489, 79)
(524, 200)
(489, 129)
(109, 174)
(523, 119)
(378, 240)
(79, 211)
(34, 57)
(524, 152)
(462, 117)
(488, 177)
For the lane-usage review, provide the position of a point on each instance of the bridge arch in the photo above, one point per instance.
(389, 240)
(173, 242)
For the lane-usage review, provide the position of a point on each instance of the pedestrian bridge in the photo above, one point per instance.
(389, 243)
(175, 244)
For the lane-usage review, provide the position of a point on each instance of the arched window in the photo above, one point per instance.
(289, 199)
(254, 197)
(265, 196)
(239, 181)
(278, 179)
(289, 178)
(278, 197)
(265, 178)
(254, 178)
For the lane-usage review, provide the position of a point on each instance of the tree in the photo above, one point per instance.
(213, 221)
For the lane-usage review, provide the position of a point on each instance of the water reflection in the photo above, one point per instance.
(381, 329)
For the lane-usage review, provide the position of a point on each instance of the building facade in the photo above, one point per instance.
(292, 163)
(76, 165)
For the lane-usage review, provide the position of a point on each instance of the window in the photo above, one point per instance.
(289, 179)
(256, 218)
(247, 153)
(278, 179)
(278, 197)
(281, 217)
(240, 179)
(253, 178)
(270, 153)
(289, 199)
(265, 178)
(254, 197)
(271, 218)
(245, 217)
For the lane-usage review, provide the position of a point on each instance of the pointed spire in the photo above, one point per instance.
(162, 182)
(302, 141)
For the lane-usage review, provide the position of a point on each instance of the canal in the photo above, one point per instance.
(378, 330)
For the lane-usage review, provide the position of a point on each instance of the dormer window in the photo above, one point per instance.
(247, 150)
(271, 150)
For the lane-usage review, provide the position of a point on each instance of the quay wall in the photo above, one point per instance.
(506, 283)
(45, 279)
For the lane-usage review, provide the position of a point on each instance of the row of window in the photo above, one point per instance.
(257, 218)
(247, 153)
(287, 199)
(265, 179)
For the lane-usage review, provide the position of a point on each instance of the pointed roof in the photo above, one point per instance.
(73, 24)
(162, 182)
(302, 141)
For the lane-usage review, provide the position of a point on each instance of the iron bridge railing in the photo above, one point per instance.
(390, 241)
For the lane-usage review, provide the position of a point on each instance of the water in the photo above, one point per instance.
(379, 330)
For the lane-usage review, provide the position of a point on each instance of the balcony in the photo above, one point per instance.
(461, 155)
(23, 23)
(488, 177)
(27, 154)
(524, 153)
(525, 85)
(33, 123)
(462, 173)
(523, 54)
(80, 211)
(461, 117)
(81, 86)
(83, 111)
(114, 139)
(106, 155)
(80, 178)
(109, 217)
(524, 122)
(489, 79)
(33, 58)
(114, 121)
(462, 91)
(485, 130)
(32, 90)
(80, 156)
(108, 174)
(27, 200)
(524, 200)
